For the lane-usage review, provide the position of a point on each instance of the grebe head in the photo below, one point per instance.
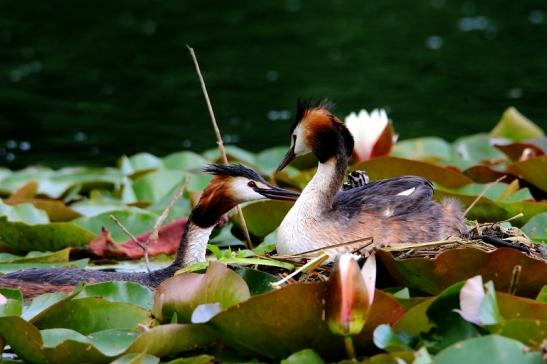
(316, 130)
(242, 184)
(232, 185)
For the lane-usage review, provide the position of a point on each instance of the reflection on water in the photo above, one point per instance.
(84, 82)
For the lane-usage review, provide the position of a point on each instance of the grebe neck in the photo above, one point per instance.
(319, 193)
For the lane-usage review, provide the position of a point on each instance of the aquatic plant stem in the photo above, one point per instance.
(482, 194)
(144, 247)
(350, 348)
(220, 143)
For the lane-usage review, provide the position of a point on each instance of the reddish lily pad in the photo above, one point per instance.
(454, 265)
(388, 167)
(532, 170)
(294, 321)
(168, 241)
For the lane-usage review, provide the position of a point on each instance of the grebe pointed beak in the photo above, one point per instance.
(289, 157)
(276, 193)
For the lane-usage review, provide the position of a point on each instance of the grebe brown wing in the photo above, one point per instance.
(398, 195)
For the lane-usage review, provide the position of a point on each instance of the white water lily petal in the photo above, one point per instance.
(366, 130)
(369, 276)
(471, 296)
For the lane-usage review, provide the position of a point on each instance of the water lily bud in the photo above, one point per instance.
(348, 300)
(373, 133)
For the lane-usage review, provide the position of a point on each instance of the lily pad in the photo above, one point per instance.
(126, 292)
(155, 185)
(389, 167)
(20, 237)
(488, 349)
(92, 314)
(475, 149)
(183, 161)
(455, 265)
(25, 212)
(68, 346)
(263, 217)
(427, 149)
(536, 228)
(532, 170)
(182, 293)
(139, 163)
(515, 126)
(136, 220)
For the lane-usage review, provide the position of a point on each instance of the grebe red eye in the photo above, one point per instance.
(251, 184)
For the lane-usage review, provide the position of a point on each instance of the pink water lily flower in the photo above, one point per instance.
(373, 133)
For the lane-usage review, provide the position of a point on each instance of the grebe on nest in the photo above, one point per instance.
(391, 211)
(230, 186)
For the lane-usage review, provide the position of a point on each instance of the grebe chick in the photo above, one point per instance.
(391, 211)
(230, 186)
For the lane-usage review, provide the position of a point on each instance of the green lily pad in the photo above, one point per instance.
(488, 349)
(20, 237)
(37, 257)
(527, 331)
(474, 149)
(155, 185)
(96, 205)
(263, 217)
(16, 180)
(306, 356)
(67, 346)
(139, 163)
(515, 126)
(57, 183)
(183, 161)
(134, 358)
(182, 293)
(14, 267)
(136, 220)
(92, 314)
(427, 149)
(126, 292)
(24, 212)
(536, 228)
(268, 160)
(235, 154)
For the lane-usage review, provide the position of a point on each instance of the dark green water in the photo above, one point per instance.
(82, 82)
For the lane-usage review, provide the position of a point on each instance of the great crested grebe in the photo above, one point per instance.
(230, 186)
(391, 211)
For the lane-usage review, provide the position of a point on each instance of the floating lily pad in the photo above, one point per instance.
(487, 349)
(20, 237)
(263, 217)
(389, 167)
(532, 170)
(155, 185)
(183, 161)
(455, 265)
(182, 293)
(515, 126)
(126, 292)
(91, 314)
(25, 212)
(427, 149)
(68, 346)
(139, 163)
(136, 220)
(536, 228)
